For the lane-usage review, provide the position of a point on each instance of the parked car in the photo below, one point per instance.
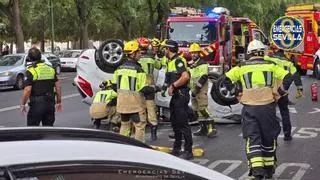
(69, 153)
(92, 70)
(55, 61)
(13, 69)
(69, 59)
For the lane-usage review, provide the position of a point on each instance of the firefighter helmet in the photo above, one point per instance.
(143, 42)
(131, 47)
(255, 46)
(155, 42)
(195, 47)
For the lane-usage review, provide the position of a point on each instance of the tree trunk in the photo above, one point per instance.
(42, 41)
(151, 18)
(17, 27)
(68, 44)
(1, 46)
(11, 48)
(85, 37)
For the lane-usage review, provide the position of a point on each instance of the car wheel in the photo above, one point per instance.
(58, 69)
(111, 53)
(316, 69)
(19, 82)
(220, 93)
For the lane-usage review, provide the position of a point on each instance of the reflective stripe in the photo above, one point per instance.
(256, 162)
(150, 68)
(248, 81)
(132, 83)
(270, 147)
(268, 77)
(103, 97)
(198, 84)
(287, 68)
(268, 158)
(119, 81)
(253, 146)
(269, 163)
(268, 150)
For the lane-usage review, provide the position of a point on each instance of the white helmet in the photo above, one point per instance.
(255, 46)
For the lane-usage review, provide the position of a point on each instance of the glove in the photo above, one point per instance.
(299, 93)
(160, 54)
(163, 90)
(282, 92)
(158, 89)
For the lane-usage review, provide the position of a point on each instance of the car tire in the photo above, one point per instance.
(58, 69)
(19, 82)
(102, 66)
(111, 53)
(216, 99)
(221, 91)
(316, 69)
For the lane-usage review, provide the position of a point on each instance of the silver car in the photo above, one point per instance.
(13, 69)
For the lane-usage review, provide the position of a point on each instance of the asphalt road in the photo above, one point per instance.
(298, 159)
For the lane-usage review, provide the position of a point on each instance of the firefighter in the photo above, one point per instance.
(199, 70)
(131, 86)
(104, 106)
(261, 86)
(280, 59)
(176, 80)
(148, 64)
(41, 86)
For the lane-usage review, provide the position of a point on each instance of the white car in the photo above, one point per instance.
(92, 70)
(70, 153)
(69, 59)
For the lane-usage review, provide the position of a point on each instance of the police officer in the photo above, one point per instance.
(149, 63)
(41, 80)
(261, 86)
(279, 58)
(199, 70)
(176, 80)
(131, 82)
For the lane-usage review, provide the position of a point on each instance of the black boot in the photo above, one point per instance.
(186, 155)
(154, 132)
(202, 131)
(97, 123)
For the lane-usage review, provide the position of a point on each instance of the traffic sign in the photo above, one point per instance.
(287, 32)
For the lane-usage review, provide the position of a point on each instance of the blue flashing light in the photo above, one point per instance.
(213, 15)
(172, 15)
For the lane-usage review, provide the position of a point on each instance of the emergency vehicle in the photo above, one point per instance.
(224, 38)
(305, 55)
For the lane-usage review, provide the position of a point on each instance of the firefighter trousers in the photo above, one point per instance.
(285, 115)
(260, 130)
(151, 112)
(138, 120)
(179, 120)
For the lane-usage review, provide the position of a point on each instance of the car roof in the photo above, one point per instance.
(30, 152)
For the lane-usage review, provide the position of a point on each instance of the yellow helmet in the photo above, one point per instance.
(131, 47)
(195, 47)
(155, 42)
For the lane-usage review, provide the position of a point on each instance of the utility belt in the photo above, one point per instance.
(49, 97)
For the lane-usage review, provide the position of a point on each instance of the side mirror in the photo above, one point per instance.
(171, 30)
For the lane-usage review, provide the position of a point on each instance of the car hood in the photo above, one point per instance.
(7, 68)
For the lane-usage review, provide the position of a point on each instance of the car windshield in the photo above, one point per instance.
(71, 54)
(11, 60)
(200, 32)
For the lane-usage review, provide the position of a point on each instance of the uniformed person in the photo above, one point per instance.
(261, 83)
(279, 58)
(41, 88)
(199, 71)
(176, 80)
(131, 82)
(148, 64)
(104, 106)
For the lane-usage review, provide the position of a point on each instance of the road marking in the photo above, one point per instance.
(316, 110)
(234, 164)
(298, 175)
(18, 106)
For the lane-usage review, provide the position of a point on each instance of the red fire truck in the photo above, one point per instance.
(225, 38)
(305, 55)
